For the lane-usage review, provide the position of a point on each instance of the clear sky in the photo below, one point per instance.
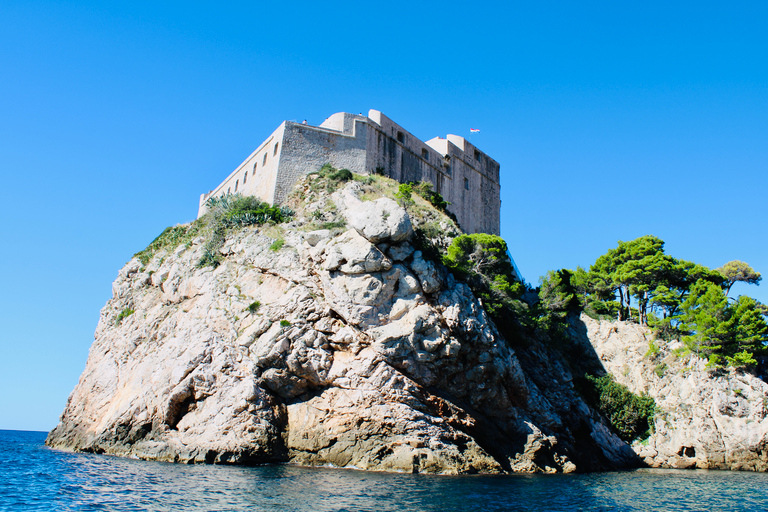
(611, 120)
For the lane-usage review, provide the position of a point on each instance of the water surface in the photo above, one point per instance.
(37, 478)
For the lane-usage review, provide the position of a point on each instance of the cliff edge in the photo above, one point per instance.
(705, 418)
(342, 346)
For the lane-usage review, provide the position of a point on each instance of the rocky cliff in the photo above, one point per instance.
(341, 346)
(706, 418)
(348, 346)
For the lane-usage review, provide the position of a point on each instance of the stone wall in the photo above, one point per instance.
(465, 176)
(307, 148)
(256, 176)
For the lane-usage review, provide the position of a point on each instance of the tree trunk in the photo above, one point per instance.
(621, 303)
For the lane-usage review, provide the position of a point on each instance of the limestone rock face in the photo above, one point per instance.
(705, 419)
(347, 349)
(379, 220)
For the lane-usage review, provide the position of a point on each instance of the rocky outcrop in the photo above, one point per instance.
(705, 418)
(344, 347)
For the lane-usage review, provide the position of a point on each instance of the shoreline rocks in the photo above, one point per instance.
(345, 348)
(706, 418)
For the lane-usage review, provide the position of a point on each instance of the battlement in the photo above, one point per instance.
(465, 176)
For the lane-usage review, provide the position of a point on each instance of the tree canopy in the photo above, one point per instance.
(736, 270)
(638, 281)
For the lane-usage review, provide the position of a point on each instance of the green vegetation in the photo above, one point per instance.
(171, 237)
(123, 314)
(404, 195)
(232, 212)
(277, 245)
(225, 214)
(334, 224)
(481, 260)
(405, 191)
(738, 271)
(253, 307)
(424, 189)
(235, 210)
(630, 415)
(332, 177)
(285, 323)
(638, 281)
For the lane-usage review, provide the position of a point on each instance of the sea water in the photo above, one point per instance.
(33, 477)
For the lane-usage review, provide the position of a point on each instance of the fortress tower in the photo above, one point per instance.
(465, 176)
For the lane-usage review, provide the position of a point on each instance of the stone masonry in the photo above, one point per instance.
(465, 176)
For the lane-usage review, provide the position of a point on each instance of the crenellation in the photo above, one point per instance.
(465, 176)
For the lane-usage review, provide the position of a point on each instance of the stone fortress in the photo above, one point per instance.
(465, 176)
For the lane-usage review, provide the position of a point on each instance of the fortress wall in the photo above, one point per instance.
(488, 213)
(476, 158)
(474, 195)
(404, 157)
(307, 148)
(256, 176)
(466, 177)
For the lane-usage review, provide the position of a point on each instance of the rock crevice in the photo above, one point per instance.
(361, 353)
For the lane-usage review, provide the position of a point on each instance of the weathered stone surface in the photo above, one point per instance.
(379, 221)
(350, 253)
(350, 360)
(706, 418)
(400, 252)
(313, 237)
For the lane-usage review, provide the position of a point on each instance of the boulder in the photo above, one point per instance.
(382, 220)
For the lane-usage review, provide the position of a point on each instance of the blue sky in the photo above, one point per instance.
(610, 121)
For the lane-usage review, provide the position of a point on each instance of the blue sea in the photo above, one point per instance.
(33, 477)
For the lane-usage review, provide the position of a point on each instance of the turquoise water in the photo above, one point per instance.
(37, 478)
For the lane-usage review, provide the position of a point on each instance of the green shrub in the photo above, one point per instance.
(481, 260)
(424, 239)
(404, 194)
(277, 245)
(285, 323)
(341, 175)
(238, 210)
(123, 314)
(211, 256)
(714, 362)
(234, 211)
(170, 238)
(742, 360)
(653, 349)
(333, 224)
(253, 307)
(424, 189)
(209, 259)
(479, 253)
(334, 177)
(630, 415)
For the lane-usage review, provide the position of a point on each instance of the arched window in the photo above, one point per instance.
(236, 183)
(265, 159)
(254, 168)
(275, 150)
(245, 177)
